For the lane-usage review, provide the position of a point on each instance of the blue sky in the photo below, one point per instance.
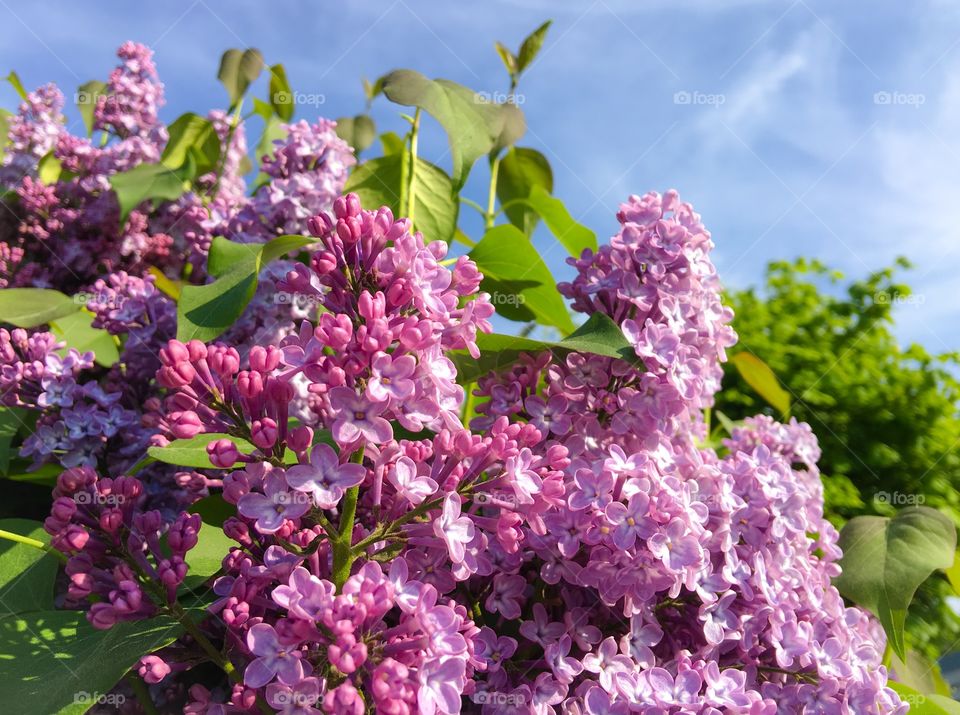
(801, 127)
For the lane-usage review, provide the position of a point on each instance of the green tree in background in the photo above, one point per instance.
(887, 417)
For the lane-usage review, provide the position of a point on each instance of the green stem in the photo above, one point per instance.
(412, 189)
(35, 543)
(342, 543)
(473, 204)
(142, 693)
(491, 213)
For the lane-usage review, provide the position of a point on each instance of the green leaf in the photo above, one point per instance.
(48, 169)
(193, 452)
(520, 170)
(88, 94)
(473, 124)
(359, 132)
(919, 673)
(205, 559)
(756, 373)
(45, 474)
(273, 130)
(921, 704)
(27, 574)
(531, 46)
(30, 307)
(392, 143)
(238, 70)
(11, 419)
(518, 280)
(377, 183)
(192, 134)
(281, 97)
(145, 182)
(204, 312)
(599, 335)
(169, 287)
(573, 236)
(506, 56)
(14, 79)
(4, 132)
(55, 661)
(886, 559)
(77, 331)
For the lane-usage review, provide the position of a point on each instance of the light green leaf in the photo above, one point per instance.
(14, 79)
(281, 98)
(4, 132)
(205, 559)
(756, 373)
(192, 134)
(473, 124)
(87, 96)
(919, 673)
(377, 183)
(573, 236)
(520, 170)
(193, 452)
(238, 70)
(506, 56)
(77, 331)
(27, 574)
(30, 307)
(169, 287)
(924, 704)
(48, 169)
(147, 181)
(392, 143)
(359, 131)
(886, 559)
(518, 280)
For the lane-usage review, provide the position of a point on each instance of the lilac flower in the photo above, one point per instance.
(274, 506)
(506, 597)
(296, 700)
(630, 521)
(675, 546)
(548, 416)
(441, 682)
(413, 488)
(455, 530)
(684, 689)
(324, 477)
(390, 377)
(357, 418)
(277, 658)
(565, 667)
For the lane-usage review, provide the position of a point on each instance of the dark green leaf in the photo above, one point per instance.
(281, 97)
(56, 662)
(190, 133)
(531, 46)
(11, 420)
(238, 70)
(598, 336)
(204, 312)
(886, 559)
(30, 307)
(518, 280)
(87, 96)
(573, 236)
(27, 574)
